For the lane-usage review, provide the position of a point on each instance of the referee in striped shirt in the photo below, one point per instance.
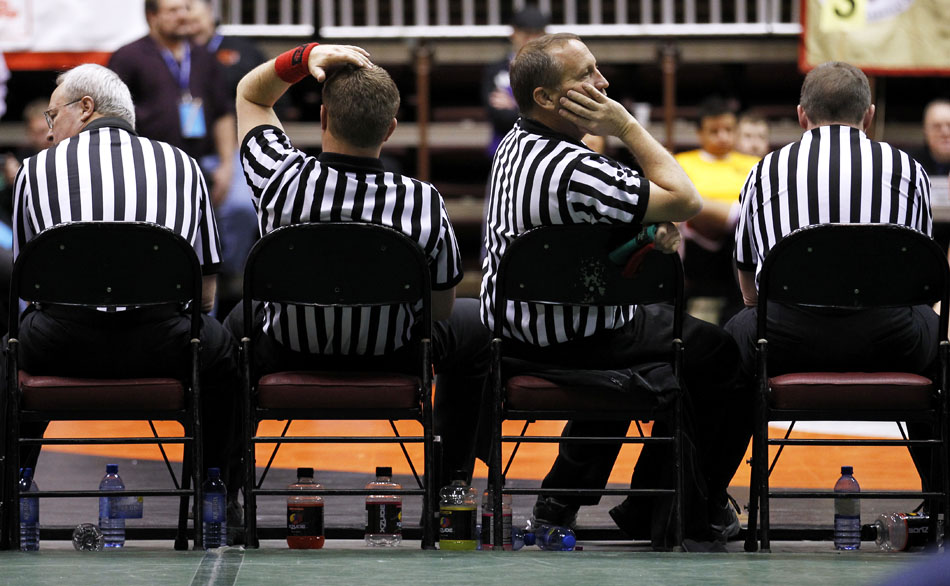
(543, 174)
(834, 174)
(99, 169)
(347, 182)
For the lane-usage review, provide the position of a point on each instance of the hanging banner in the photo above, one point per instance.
(36, 34)
(896, 37)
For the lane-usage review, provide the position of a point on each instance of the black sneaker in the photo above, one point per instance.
(553, 512)
(723, 520)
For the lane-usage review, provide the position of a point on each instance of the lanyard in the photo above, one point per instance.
(214, 43)
(181, 73)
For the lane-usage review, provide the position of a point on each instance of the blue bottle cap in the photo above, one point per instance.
(847, 470)
(112, 468)
(214, 473)
(569, 542)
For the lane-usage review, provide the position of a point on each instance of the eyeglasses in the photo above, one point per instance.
(49, 113)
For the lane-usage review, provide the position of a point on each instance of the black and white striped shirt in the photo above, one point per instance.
(290, 187)
(107, 173)
(834, 174)
(538, 178)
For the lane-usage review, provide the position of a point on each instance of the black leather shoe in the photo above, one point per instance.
(553, 512)
(633, 521)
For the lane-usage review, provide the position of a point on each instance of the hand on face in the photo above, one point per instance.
(667, 238)
(593, 112)
(325, 57)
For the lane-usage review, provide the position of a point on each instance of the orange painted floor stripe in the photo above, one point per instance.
(799, 467)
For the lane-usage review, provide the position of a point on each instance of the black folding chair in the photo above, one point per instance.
(853, 266)
(569, 265)
(327, 265)
(106, 265)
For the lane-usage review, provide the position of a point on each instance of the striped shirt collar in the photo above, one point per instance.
(351, 162)
(109, 122)
(535, 127)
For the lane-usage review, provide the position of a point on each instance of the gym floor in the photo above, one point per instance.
(349, 561)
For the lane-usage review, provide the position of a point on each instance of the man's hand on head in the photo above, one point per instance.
(667, 238)
(594, 113)
(324, 57)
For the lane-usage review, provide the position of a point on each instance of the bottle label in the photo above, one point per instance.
(121, 507)
(213, 509)
(457, 523)
(305, 520)
(384, 518)
(918, 529)
(29, 510)
(488, 530)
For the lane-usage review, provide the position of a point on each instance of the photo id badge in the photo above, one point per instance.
(192, 116)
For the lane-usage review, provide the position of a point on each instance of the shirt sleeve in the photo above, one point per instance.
(22, 230)
(924, 213)
(207, 242)
(266, 156)
(603, 190)
(446, 265)
(745, 254)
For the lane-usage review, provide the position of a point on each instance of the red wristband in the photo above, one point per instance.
(291, 66)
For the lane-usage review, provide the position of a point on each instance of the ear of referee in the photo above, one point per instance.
(99, 169)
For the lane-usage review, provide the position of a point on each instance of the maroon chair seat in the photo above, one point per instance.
(852, 391)
(537, 394)
(338, 390)
(60, 393)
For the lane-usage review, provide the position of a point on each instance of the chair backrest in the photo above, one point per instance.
(569, 265)
(106, 264)
(337, 264)
(855, 266)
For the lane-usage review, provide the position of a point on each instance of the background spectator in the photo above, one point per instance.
(718, 172)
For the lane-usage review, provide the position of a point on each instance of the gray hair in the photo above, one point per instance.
(107, 90)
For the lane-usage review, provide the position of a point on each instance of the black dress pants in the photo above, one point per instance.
(152, 342)
(832, 340)
(460, 355)
(721, 405)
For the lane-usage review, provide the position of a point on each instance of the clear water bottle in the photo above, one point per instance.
(29, 513)
(305, 513)
(488, 517)
(383, 511)
(458, 514)
(902, 531)
(550, 537)
(214, 511)
(847, 512)
(88, 537)
(111, 521)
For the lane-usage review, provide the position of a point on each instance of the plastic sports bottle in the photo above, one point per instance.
(29, 513)
(488, 516)
(111, 523)
(214, 511)
(458, 509)
(305, 513)
(847, 512)
(383, 511)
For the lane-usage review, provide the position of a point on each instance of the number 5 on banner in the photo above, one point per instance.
(843, 15)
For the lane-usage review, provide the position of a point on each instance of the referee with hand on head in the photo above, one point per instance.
(347, 182)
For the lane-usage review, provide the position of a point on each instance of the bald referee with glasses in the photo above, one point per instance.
(99, 169)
